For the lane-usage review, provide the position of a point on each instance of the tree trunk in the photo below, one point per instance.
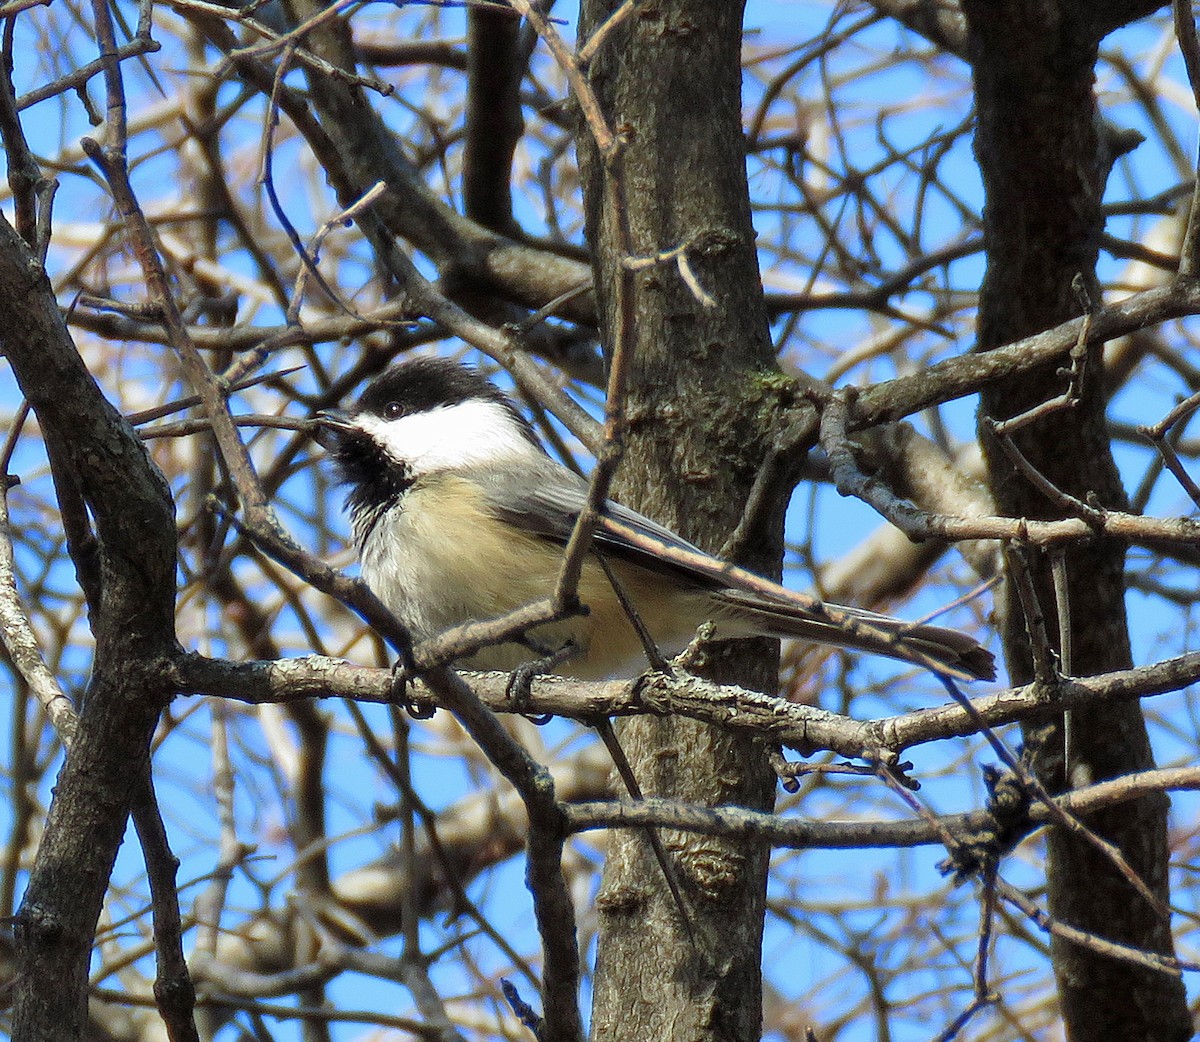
(669, 80)
(1044, 166)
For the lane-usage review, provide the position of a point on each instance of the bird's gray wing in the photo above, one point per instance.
(545, 499)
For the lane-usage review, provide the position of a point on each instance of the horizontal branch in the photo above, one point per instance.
(837, 420)
(772, 719)
(969, 373)
(801, 834)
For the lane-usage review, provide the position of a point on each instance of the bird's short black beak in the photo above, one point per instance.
(331, 426)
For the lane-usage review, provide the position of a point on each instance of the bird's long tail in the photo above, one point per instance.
(762, 606)
(936, 647)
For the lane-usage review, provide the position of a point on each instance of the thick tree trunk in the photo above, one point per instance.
(1044, 168)
(669, 80)
(130, 578)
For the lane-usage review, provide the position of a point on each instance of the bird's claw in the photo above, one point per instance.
(403, 675)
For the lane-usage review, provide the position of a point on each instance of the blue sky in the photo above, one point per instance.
(895, 111)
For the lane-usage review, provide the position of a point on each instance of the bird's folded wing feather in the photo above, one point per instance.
(548, 504)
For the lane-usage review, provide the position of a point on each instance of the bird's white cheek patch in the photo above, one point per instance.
(452, 436)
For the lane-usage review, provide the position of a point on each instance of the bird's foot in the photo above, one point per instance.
(520, 682)
(403, 676)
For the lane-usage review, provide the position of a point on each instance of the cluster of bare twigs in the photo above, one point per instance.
(275, 203)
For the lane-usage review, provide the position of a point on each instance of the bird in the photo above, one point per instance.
(458, 514)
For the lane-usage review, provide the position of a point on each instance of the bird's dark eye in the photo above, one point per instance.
(393, 411)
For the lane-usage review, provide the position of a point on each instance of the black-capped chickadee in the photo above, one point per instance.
(458, 514)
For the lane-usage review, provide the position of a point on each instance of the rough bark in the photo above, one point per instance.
(1044, 170)
(132, 617)
(669, 81)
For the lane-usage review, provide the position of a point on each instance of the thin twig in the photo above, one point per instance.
(1132, 956)
(1044, 670)
(1157, 434)
(1189, 46)
(21, 642)
(173, 988)
(1058, 815)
